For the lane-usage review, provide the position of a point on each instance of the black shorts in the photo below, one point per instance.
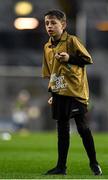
(66, 105)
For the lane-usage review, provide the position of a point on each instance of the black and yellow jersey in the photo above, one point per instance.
(66, 78)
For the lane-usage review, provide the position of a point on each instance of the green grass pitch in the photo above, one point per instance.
(29, 156)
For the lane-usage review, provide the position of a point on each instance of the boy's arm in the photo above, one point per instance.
(80, 61)
(81, 57)
(45, 69)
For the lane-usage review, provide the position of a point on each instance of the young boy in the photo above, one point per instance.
(65, 60)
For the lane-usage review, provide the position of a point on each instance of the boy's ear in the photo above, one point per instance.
(64, 24)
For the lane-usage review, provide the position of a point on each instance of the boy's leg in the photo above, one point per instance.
(63, 146)
(85, 133)
(63, 141)
(88, 142)
(61, 104)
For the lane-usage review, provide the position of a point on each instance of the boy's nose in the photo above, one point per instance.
(49, 26)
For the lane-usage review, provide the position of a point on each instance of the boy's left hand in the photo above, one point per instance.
(62, 57)
(50, 100)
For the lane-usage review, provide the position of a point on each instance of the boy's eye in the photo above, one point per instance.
(52, 22)
(46, 23)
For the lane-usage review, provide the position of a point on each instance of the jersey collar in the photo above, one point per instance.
(63, 38)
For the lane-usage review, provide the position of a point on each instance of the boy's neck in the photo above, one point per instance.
(55, 38)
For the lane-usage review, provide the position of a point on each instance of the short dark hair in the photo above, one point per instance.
(59, 14)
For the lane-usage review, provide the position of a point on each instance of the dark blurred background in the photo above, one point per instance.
(23, 93)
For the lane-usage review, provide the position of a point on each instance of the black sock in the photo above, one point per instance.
(63, 143)
(87, 138)
(88, 143)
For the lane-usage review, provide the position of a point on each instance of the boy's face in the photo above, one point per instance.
(54, 26)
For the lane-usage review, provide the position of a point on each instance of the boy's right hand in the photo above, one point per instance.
(50, 100)
(62, 57)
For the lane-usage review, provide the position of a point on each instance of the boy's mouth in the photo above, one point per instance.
(51, 32)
